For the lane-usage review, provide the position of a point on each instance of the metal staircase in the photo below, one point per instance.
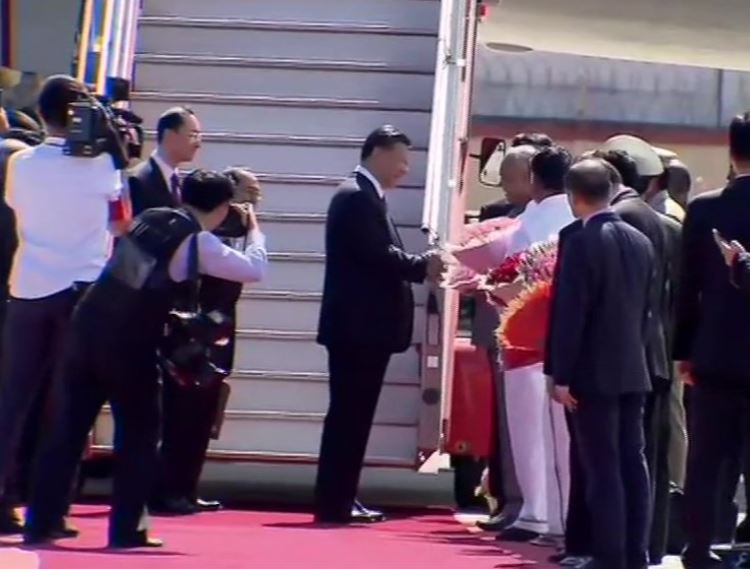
(289, 89)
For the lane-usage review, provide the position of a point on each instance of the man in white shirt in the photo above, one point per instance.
(63, 207)
(538, 433)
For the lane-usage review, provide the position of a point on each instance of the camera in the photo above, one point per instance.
(96, 126)
(189, 339)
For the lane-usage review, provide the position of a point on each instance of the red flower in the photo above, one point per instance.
(508, 270)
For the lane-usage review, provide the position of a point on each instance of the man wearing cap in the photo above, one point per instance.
(650, 183)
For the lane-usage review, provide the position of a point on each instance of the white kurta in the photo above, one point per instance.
(538, 433)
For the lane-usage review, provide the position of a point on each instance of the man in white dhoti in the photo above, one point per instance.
(538, 433)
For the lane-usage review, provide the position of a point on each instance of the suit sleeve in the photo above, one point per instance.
(572, 305)
(135, 189)
(741, 272)
(372, 243)
(687, 304)
(548, 358)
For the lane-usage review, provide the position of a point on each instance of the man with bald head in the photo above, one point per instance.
(503, 485)
(600, 321)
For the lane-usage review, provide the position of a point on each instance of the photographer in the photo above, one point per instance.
(189, 415)
(62, 206)
(116, 351)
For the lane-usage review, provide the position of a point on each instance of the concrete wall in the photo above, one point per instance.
(570, 87)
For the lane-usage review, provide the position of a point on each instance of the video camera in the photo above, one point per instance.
(96, 126)
(189, 338)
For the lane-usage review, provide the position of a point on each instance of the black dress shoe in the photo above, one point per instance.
(33, 536)
(172, 507)
(207, 505)
(516, 535)
(10, 523)
(360, 514)
(498, 522)
(140, 539)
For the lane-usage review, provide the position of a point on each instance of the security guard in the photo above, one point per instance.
(114, 351)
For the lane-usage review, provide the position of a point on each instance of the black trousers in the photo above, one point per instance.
(658, 432)
(610, 443)
(356, 380)
(189, 413)
(33, 338)
(720, 420)
(101, 367)
(578, 520)
(502, 472)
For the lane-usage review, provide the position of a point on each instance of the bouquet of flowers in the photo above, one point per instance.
(525, 321)
(484, 245)
(481, 247)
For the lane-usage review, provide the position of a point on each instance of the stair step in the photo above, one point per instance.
(300, 64)
(302, 377)
(246, 435)
(263, 39)
(305, 233)
(294, 351)
(284, 25)
(302, 116)
(388, 84)
(399, 402)
(288, 316)
(402, 13)
(324, 156)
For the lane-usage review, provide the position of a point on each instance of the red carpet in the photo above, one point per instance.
(429, 539)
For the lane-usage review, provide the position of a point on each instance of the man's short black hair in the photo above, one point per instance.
(623, 163)
(549, 167)
(387, 136)
(590, 179)
(172, 119)
(739, 137)
(57, 93)
(206, 190)
(538, 140)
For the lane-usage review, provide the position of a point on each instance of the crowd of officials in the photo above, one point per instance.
(646, 353)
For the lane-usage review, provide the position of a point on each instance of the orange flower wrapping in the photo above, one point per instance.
(523, 327)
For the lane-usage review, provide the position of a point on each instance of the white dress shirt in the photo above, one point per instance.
(62, 211)
(367, 174)
(166, 170)
(542, 221)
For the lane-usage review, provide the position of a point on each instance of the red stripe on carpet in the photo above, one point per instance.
(271, 540)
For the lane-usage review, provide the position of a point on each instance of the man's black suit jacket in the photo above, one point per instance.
(712, 315)
(638, 214)
(148, 188)
(367, 296)
(601, 308)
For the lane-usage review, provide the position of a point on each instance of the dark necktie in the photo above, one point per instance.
(174, 186)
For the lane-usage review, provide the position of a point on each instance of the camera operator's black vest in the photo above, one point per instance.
(135, 293)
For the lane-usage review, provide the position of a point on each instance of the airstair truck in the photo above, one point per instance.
(289, 89)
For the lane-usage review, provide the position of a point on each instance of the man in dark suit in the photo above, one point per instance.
(366, 316)
(187, 415)
(599, 330)
(712, 336)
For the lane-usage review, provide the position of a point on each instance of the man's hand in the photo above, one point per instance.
(685, 372)
(729, 249)
(4, 122)
(561, 394)
(435, 265)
